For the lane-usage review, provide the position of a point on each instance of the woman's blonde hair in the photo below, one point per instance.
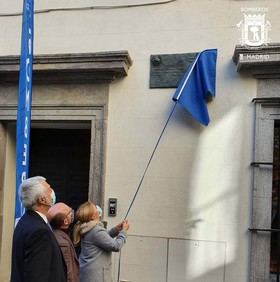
(84, 213)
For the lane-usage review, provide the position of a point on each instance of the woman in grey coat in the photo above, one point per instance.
(97, 244)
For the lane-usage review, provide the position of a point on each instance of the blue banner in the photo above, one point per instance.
(24, 100)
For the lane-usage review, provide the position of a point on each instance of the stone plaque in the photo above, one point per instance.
(166, 70)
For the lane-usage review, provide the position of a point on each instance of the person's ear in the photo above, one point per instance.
(66, 221)
(41, 200)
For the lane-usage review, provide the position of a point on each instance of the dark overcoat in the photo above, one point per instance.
(36, 256)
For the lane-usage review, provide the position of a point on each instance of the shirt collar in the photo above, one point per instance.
(43, 216)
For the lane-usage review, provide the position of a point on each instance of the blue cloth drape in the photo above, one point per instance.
(197, 85)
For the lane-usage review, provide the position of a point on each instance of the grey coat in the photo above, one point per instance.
(97, 244)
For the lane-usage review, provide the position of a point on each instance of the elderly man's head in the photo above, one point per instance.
(36, 194)
(60, 216)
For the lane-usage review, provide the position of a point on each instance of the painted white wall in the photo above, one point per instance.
(194, 203)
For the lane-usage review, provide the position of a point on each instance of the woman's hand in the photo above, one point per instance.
(125, 225)
(120, 226)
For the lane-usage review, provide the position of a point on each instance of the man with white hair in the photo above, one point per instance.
(36, 255)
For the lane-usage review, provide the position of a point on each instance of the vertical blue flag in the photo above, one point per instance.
(197, 85)
(24, 100)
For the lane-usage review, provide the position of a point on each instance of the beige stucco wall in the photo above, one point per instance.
(8, 204)
(193, 209)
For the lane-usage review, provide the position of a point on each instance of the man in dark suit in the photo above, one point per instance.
(36, 256)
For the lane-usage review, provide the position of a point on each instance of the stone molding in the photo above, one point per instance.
(69, 68)
(260, 62)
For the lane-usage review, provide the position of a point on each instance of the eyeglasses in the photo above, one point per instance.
(72, 215)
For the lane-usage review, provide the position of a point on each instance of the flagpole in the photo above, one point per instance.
(149, 162)
(143, 176)
(187, 78)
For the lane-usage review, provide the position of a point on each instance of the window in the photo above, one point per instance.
(265, 193)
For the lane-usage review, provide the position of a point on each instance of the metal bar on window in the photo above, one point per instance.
(274, 100)
(263, 230)
(257, 164)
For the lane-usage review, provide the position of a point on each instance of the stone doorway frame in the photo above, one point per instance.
(44, 116)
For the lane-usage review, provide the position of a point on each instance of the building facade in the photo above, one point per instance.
(208, 203)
